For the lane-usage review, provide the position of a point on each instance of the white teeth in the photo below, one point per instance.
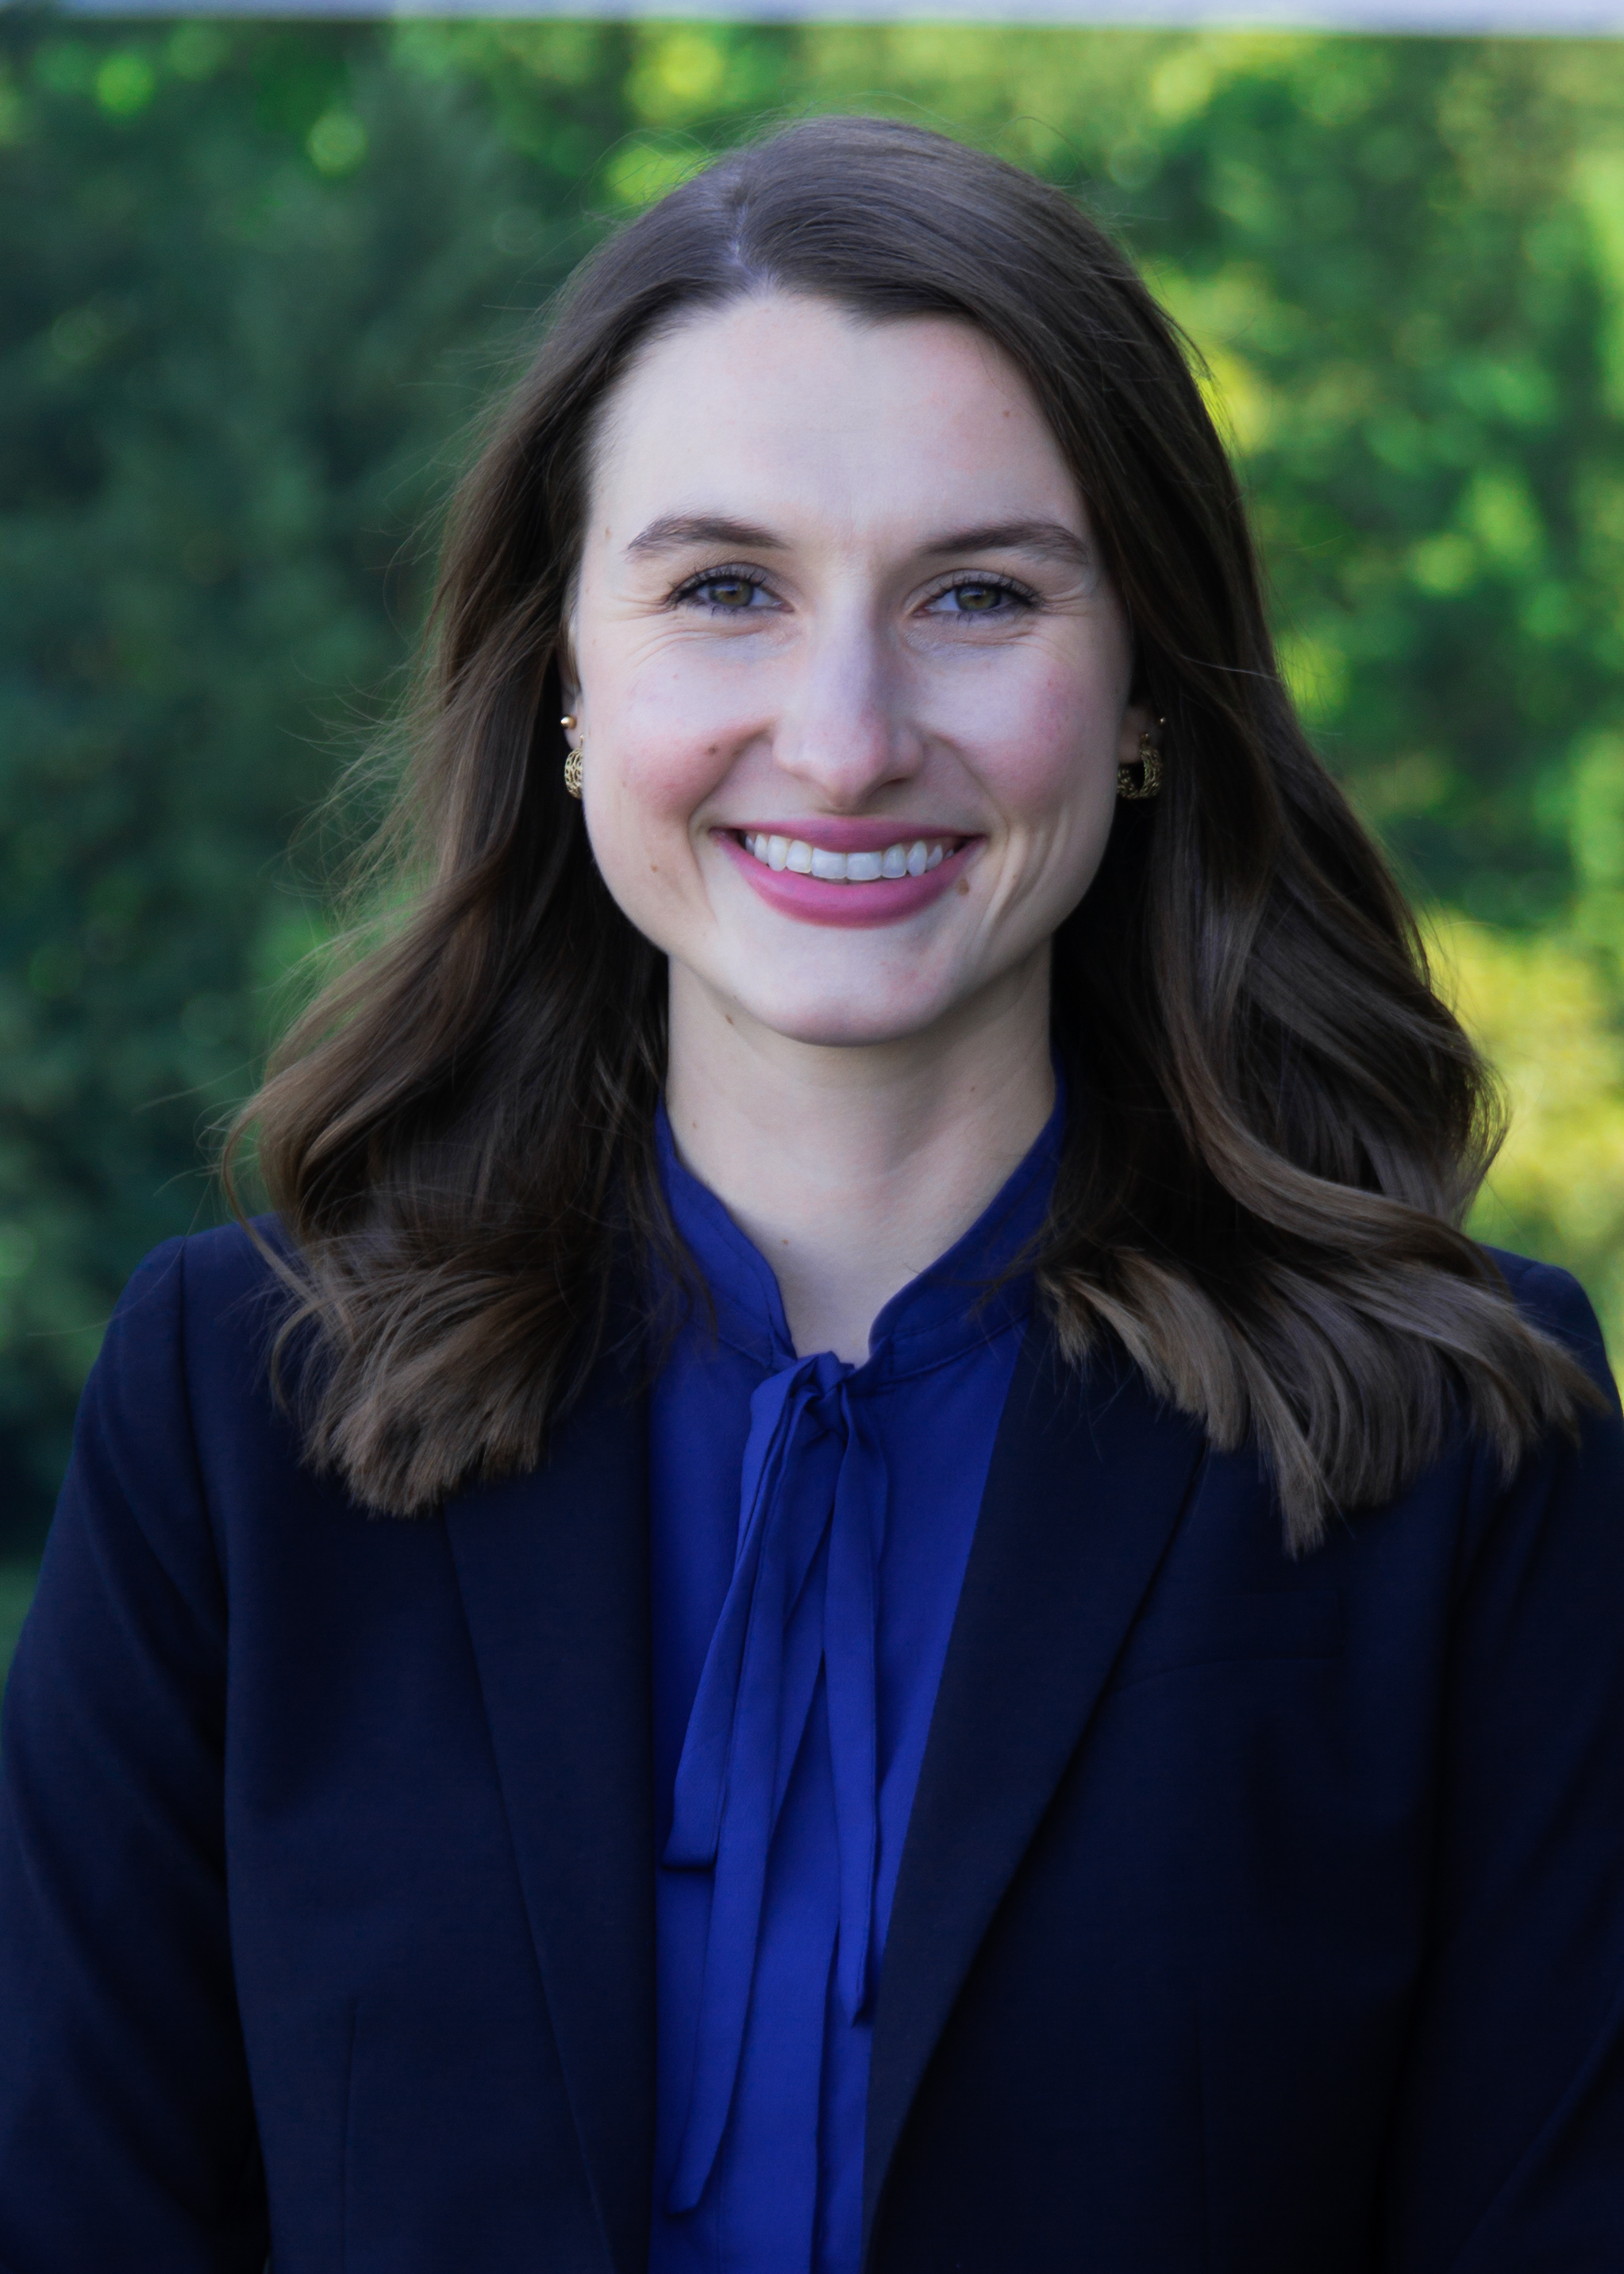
(803, 860)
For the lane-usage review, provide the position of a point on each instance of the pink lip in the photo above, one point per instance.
(853, 906)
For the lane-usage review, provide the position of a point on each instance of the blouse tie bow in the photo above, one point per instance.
(812, 1512)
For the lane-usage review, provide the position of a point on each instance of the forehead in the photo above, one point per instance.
(914, 414)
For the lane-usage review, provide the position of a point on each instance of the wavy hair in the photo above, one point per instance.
(1279, 1125)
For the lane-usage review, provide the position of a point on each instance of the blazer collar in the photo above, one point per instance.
(1089, 1477)
(553, 1568)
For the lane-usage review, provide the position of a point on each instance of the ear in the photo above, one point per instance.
(1138, 719)
(564, 664)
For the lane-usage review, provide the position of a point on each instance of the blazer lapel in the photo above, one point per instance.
(553, 1570)
(1088, 1478)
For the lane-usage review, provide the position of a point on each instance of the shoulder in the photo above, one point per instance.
(217, 1267)
(184, 1369)
(1558, 1509)
(200, 1293)
(1553, 1301)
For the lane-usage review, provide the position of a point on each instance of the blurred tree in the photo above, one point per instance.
(1542, 1008)
(252, 283)
(255, 279)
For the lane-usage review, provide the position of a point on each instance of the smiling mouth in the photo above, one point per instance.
(915, 856)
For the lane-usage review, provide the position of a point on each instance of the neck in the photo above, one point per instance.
(852, 1167)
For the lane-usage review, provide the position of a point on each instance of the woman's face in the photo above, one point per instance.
(852, 684)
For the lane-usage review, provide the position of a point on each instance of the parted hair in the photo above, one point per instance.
(1277, 1124)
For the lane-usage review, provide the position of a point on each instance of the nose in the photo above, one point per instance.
(843, 731)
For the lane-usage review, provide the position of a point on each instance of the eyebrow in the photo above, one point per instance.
(673, 531)
(1047, 540)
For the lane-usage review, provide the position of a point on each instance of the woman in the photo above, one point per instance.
(863, 1575)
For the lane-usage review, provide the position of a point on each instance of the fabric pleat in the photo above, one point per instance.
(801, 1603)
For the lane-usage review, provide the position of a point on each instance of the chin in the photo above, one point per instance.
(831, 1021)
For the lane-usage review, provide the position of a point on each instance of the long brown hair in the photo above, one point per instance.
(1278, 1124)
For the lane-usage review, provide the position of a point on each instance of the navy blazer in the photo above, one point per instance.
(1255, 1915)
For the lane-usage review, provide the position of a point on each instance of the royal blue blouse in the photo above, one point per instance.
(810, 1523)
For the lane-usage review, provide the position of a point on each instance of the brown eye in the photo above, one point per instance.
(730, 593)
(976, 598)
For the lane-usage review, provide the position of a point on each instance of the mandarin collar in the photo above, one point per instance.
(956, 1304)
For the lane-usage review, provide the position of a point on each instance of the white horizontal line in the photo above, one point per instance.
(1527, 18)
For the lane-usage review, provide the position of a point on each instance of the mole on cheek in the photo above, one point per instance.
(964, 884)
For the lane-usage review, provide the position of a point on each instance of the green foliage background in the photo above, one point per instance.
(256, 280)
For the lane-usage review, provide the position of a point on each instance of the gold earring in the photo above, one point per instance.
(1149, 783)
(572, 763)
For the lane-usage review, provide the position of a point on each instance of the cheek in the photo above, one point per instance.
(639, 806)
(1059, 772)
(664, 734)
(660, 785)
